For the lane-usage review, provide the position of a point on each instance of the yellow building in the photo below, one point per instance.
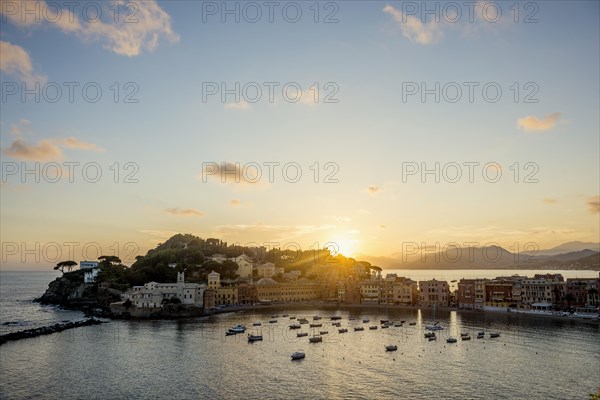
(227, 295)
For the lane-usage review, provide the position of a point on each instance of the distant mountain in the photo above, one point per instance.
(569, 247)
(571, 256)
(491, 257)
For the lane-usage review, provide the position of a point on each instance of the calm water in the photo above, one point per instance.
(18, 312)
(535, 358)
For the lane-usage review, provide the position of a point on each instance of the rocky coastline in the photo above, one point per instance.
(47, 330)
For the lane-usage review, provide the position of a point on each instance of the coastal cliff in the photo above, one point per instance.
(70, 291)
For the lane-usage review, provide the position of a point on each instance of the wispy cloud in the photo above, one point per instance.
(139, 27)
(242, 105)
(44, 149)
(413, 29)
(16, 62)
(593, 204)
(373, 189)
(533, 124)
(550, 201)
(186, 212)
(263, 233)
(233, 173)
(74, 143)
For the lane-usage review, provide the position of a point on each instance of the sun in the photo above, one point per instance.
(346, 247)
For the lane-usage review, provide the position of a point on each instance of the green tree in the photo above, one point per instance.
(65, 265)
(109, 261)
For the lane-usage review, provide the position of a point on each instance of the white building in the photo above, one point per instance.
(88, 264)
(244, 267)
(152, 294)
(267, 270)
(90, 275)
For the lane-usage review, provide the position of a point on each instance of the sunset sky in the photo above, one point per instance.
(158, 121)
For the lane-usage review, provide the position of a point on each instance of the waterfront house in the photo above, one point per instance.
(154, 294)
(434, 292)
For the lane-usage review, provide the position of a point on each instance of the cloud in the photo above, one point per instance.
(262, 233)
(44, 150)
(382, 226)
(74, 143)
(139, 26)
(15, 61)
(187, 212)
(235, 173)
(593, 204)
(240, 106)
(550, 201)
(373, 189)
(413, 29)
(533, 124)
(235, 202)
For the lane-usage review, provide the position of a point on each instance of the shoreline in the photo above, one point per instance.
(390, 307)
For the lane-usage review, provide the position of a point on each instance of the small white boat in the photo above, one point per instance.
(465, 337)
(298, 355)
(316, 318)
(303, 321)
(384, 326)
(366, 320)
(391, 347)
(451, 340)
(295, 326)
(238, 329)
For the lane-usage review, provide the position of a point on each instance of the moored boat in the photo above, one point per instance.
(391, 347)
(359, 328)
(342, 330)
(301, 334)
(373, 327)
(254, 338)
(295, 326)
(298, 355)
(494, 335)
(451, 340)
